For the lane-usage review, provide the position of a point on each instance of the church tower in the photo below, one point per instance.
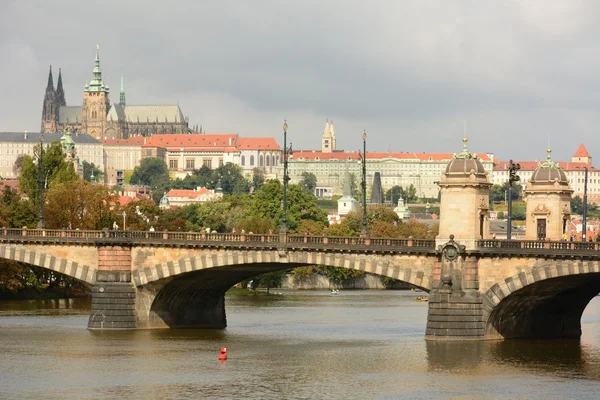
(328, 138)
(96, 103)
(60, 93)
(49, 109)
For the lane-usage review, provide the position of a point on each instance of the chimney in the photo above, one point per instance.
(144, 140)
(25, 136)
(230, 140)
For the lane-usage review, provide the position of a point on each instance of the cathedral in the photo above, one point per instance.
(98, 118)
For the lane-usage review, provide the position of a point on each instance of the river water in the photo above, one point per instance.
(297, 345)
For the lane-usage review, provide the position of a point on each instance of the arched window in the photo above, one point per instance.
(251, 161)
(243, 161)
(267, 161)
(260, 160)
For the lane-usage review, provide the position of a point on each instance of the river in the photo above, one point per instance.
(298, 345)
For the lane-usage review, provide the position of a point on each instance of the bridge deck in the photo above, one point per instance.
(525, 248)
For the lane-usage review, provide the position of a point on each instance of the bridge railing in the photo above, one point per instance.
(537, 245)
(248, 239)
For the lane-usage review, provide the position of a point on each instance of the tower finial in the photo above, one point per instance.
(549, 151)
(122, 96)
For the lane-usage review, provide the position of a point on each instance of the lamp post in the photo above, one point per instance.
(584, 222)
(286, 178)
(512, 177)
(40, 224)
(124, 216)
(363, 232)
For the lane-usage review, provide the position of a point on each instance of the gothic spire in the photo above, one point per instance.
(60, 93)
(50, 85)
(122, 97)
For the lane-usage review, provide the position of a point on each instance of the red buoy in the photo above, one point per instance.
(223, 354)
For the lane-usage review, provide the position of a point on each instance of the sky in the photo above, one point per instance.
(417, 75)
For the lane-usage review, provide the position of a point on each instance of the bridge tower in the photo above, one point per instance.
(548, 197)
(455, 302)
(464, 208)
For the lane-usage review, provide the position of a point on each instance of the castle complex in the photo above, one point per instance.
(100, 119)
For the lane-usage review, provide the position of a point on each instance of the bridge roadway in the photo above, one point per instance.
(500, 289)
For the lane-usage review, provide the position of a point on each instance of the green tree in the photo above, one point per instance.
(577, 205)
(308, 182)
(90, 169)
(410, 194)
(500, 215)
(232, 179)
(272, 279)
(394, 193)
(55, 169)
(154, 173)
(213, 215)
(258, 179)
(79, 205)
(23, 213)
(499, 193)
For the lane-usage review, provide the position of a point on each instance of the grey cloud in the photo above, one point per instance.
(409, 71)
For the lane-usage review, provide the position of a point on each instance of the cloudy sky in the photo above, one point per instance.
(517, 74)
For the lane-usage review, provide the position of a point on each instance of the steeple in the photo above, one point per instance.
(49, 107)
(326, 139)
(50, 85)
(122, 97)
(96, 84)
(60, 93)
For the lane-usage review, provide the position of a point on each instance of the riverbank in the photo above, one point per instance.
(46, 294)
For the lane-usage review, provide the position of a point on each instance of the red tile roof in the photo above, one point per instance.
(188, 193)
(124, 200)
(134, 140)
(12, 183)
(194, 142)
(346, 155)
(257, 144)
(581, 151)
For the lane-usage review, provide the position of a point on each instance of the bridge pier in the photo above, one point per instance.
(113, 294)
(455, 303)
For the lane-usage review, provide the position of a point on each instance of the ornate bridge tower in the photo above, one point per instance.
(455, 303)
(548, 197)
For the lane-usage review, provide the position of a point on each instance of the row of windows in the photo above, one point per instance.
(266, 161)
(191, 163)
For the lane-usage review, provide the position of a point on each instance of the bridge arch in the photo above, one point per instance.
(189, 292)
(545, 302)
(42, 257)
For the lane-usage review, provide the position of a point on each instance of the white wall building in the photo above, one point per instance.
(14, 144)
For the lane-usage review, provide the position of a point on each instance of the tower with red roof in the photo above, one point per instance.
(582, 155)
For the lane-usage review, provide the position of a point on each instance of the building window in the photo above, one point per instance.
(148, 153)
(190, 164)
(207, 162)
(260, 160)
(220, 162)
(243, 161)
(268, 161)
(251, 161)
(173, 164)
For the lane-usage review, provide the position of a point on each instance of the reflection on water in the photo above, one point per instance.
(304, 345)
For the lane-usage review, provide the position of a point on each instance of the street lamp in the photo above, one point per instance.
(124, 216)
(584, 222)
(363, 232)
(286, 153)
(40, 224)
(512, 177)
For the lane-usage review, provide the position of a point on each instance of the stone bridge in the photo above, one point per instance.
(497, 289)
